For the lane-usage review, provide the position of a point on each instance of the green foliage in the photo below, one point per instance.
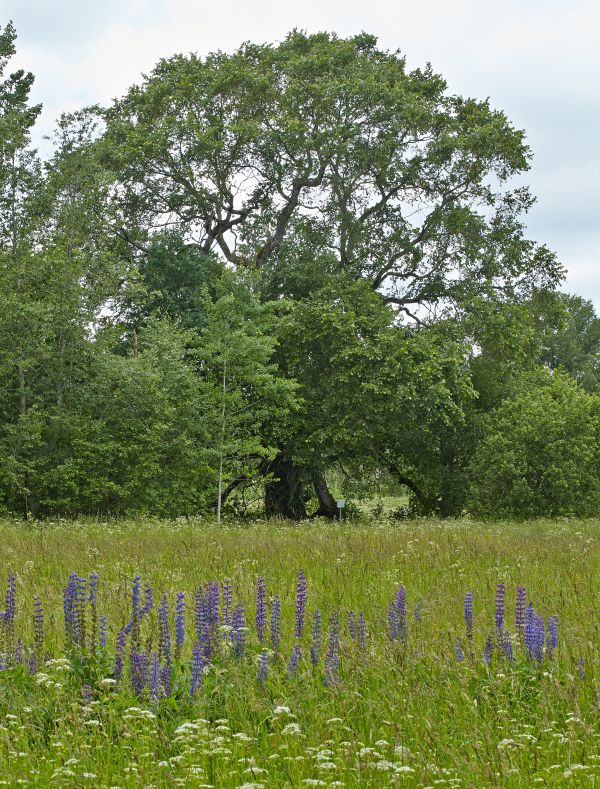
(132, 441)
(540, 454)
(242, 393)
(570, 337)
(176, 279)
(267, 266)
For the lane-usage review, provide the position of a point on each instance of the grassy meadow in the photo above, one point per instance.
(415, 711)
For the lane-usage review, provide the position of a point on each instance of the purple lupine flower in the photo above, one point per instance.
(581, 668)
(227, 602)
(530, 630)
(179, 622)
(139, 671)
(148, 601)
(238, 632)
(213, 610)
(500, 606)
(362, 630)
(10, 600)
(32, 663)
(294, 660)
(154, 681)
(401, 608)
(468, 614)
(164, 634)
(261, 609)
(488, 649)
(103, 632)
(92, 599)
(38, 627)
(197, 669)
(263, 667)
(507, 646)
(393, 627)
(82, 595)
(72, 630)
(538, 648)
(275, 623)
(120, 651)
(136, 611)
(552, 641)
(136, 592)
(520, 612)
(19, 652)
(419, 612)
(332, 658)
(202, 622)
(352, 626)
(315, 645)
(301, 595)
(87, 693)
(458, 650)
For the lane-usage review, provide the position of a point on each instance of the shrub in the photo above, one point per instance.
(540, 454)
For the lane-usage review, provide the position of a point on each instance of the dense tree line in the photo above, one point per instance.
(259, 268)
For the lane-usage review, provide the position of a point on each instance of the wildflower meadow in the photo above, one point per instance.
(151, 654)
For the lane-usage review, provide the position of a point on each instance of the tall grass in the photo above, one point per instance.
(402, 714)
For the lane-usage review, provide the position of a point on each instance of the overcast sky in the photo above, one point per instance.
(539, 60)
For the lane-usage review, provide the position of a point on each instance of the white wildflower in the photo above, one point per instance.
(292, 729)
(575, 768)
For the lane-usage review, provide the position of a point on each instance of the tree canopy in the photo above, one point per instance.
(257, 268)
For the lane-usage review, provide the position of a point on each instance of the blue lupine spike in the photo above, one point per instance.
(488, 649)
(500, 606)
(301, 597)
(227, 602)
(261, 610)
(275, 623)
(315, 646)
(294, 660)
(213, 605)
(180, 622)
(197, 669)
(520, 612)
(362, 630)
(238, 633)
(154, 680)
(468, 614)
(263, 667)
(352, 625)
(103, 632)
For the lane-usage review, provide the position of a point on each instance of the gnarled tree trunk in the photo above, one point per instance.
(327, 504)
(284, 495)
